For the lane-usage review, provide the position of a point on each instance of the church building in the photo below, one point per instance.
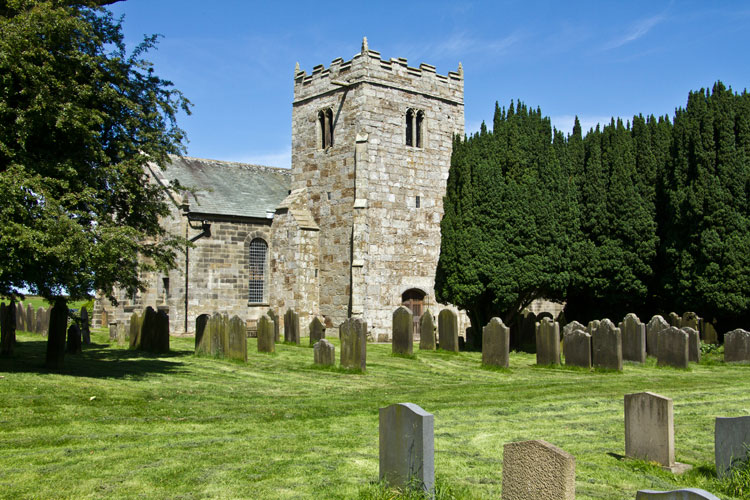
(351, 230)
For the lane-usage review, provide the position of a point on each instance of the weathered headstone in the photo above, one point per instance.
(528, 329)
(673, 348)
(402, 341)
(353, 335)
(237, 337)
(682, 494)
(577, 348)
(654, 327)
(85, 330)
(708, 332)
(448, 330)
(731, 443)
(291, 327)
(216, 329)
(633, 339)
(694, 344)
(58, 324)
(20, 318)
(690, 320)
(606, 346)
(275, 320)
(674, 319)
(122, 334)
(547, 342)
(134, 330)
(112, 331)
(317, 330)
(592, 326)
(45, 321)
(30, 319)
(7, 328)
(495, 344)
(407, 446)
(649, 428)
(74, 340)
(202, 341)
(39, 321)
(427, 332)
(572, 326)
(266, 335)
(737, 346)
(538, 470)
(324, 353)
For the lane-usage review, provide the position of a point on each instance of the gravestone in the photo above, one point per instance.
(134, 330)
(7, 328)
(572, 326)
(690, 320)
(353, 335)
(606, 346)
(654, 327)
(74, 340)
(112, 331)
(427, 332)
(538, 470)
(39, 321)
(547, 342)
(237, 338)
(148, 330)
(649, 428)
(291, 327)
(324, 353)
(673, 348)
(266, 334)
(737, 346)
(633, 339)
(448, 330)
(58, 324)
(85, 330)
(528, 329)
(682, 494)
(202, 342)
(407, 447)
(694, 344)
(731, 443)
(30, 319)
(592, 326)
(275, 320)
(674, 320)
(20, 318)
(317, 331)
(402, 340)
(708, 332)
(122, 333)
(216, 329)
(577, 348)
(495, 344)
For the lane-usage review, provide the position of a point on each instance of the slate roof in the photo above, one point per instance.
(230, 188)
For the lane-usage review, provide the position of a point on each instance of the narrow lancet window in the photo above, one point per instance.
(409, 127)
(325, 127)
(420, 121)
(257, 284)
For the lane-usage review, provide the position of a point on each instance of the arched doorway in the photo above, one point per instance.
(413, 299)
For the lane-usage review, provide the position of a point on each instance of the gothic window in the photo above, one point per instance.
(414, 128)
(325, 128)
(257, 285)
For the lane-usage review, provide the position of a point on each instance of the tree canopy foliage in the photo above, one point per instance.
(644, 217)
(80, 117)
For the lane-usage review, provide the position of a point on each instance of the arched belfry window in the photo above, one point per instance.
(258, 267)
(414, 128)
(325, 128)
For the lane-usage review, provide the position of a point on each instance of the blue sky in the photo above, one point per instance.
(235, 59)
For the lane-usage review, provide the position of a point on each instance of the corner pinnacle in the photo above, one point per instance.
(365, 48)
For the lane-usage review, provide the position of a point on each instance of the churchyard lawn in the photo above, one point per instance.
(122, 424)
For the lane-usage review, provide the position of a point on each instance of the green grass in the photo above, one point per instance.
(121, 424)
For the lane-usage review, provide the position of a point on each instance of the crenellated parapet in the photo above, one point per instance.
(367, 67)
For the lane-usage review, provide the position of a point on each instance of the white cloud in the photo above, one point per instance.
(638, 30)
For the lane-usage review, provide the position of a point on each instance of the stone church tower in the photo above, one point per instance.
(359, 233)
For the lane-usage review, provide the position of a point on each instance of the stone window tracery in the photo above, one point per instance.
(414, 128)
(258, 270)
(325, 128)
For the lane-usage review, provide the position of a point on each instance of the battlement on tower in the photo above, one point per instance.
(367, 67)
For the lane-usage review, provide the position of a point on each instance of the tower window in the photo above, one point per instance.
(417, 202)
(414, 128)
(325, 127)
(257, 284)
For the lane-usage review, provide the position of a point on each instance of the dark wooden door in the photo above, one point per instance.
(414, 300)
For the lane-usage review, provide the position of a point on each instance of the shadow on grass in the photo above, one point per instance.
(96, 361)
